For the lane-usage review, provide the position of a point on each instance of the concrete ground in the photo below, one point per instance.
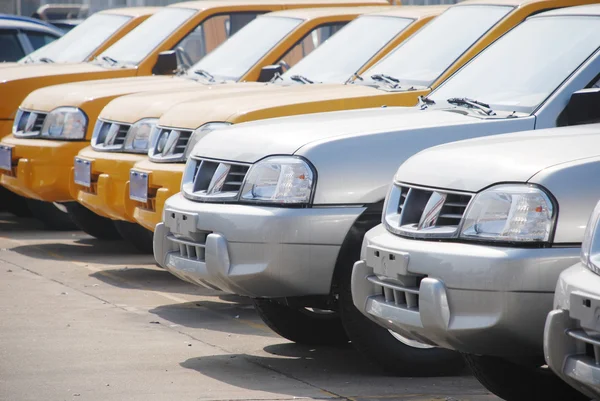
(82, 319)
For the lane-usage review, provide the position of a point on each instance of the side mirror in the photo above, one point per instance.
(584, 107)
(166, 64)
(269, 71)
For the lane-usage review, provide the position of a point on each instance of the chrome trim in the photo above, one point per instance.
(173, 238)
(213, 180)
(420, 212)
(581, 335)
(31, 127)
(375, 280)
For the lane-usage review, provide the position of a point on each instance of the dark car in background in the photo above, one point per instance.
(20, 36)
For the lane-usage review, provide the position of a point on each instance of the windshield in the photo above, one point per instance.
(137, 44)
(525, 66)
(79, 43)
(237, 55)
(347, 51)
(429, 52)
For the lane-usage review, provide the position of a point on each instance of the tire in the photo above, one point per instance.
(52, 217)
(514, 382)
(91, 223)
(301, 325)
(140, 237)
(377, 343)
(14, 203)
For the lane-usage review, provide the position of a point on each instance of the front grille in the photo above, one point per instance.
(422, 212)
(592, 343)
(211, 180)
(401, 293)
(29, 123)
(170, 144)
(109, 135)
(191, 250)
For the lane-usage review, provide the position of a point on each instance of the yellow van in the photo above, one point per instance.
(40, 136)
(90, 38)
(104, 191)
(83, 43)
(192, 29)
(412, 70)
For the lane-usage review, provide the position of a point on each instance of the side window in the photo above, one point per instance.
(10, 48)
(39, 39)
(210, 34)
(310, 42)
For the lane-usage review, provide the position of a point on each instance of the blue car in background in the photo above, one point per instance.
(20, 36)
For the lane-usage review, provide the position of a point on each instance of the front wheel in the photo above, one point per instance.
(140, 237)
(91, 223)
(301, 325)
(514, 382)
(53, 216)
(395, 354)
(13, 203)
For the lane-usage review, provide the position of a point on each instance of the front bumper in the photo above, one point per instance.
(41, 168)
(476, 299)
(254, 251)
(572, 334)
(164, 181)
(108, 195)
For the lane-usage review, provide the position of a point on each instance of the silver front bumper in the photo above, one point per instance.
(249, 250)
(472, 298)
(572, 334)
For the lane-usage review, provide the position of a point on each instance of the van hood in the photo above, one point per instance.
(478, 163)
(132, 108)
(17, 82)
(25, 71)
(293, 100)
(285, 136)
(77, 94)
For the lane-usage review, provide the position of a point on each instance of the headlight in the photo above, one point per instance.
(509, 213)
(279, 179)
(138, 136)
(65, 123)
(590, 246)
(175, 145)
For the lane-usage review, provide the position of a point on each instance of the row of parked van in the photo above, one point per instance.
(287, 189)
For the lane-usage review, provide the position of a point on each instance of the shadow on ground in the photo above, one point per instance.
(339, 371)
(29, 228)
(149, 279)
(87, 250)
(215, 316)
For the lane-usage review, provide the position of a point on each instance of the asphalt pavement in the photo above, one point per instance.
(83, 319)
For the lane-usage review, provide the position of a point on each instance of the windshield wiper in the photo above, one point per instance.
(475, 104)
(354, 77)
(46, 60)
(109, 60)
(205, 74)
(276, 77)
(424, 102)
(388, 79)
(301, 79)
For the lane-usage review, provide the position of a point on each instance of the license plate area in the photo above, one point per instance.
(387, 263)
(181, 223)
(138, 186)
(83, 172)
(586, 309)
(6, 157)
